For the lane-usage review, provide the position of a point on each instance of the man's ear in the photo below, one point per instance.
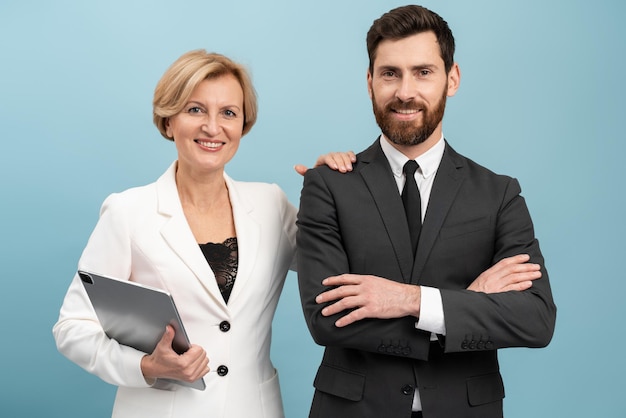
(369, 83)
(454, 79)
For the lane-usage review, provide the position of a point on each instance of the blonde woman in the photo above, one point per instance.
(221, 247)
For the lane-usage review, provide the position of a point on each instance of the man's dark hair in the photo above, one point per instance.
(406, 21)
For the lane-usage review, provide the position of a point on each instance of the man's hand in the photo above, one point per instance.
(512, 273)
(164, 362)
(376, 297)
(368, 297)
(339, 161)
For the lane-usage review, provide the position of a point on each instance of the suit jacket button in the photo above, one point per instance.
(225, 326)
(407, 389)
(222, 370)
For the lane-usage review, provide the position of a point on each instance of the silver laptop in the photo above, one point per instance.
(136, 315)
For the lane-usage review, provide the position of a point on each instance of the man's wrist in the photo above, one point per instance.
(416, 301)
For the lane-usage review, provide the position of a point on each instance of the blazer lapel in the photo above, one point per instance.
(176, 232)
(248, 236)
(379, 179)
(447, 182)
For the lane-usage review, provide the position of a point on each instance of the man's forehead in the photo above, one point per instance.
(416, 50)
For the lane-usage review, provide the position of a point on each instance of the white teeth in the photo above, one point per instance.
(406, 111)
(210, 144)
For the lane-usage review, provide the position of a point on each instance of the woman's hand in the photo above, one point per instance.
(165, 363)
(339, 161)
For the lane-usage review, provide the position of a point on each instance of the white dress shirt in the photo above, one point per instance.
(431, 308)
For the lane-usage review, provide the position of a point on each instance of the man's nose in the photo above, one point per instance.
(407, 90)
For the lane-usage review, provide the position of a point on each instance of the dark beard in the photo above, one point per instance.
(407, 133)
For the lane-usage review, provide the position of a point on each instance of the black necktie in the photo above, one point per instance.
(412, 202)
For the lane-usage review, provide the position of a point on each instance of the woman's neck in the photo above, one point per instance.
(201, 190)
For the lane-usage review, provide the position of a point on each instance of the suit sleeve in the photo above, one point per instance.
(78, 333)
(321, 253)
(479, 321)
(288, 214)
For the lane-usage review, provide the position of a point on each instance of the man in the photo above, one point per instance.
(412, 313)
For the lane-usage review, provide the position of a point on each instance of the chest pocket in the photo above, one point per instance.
(463, 228)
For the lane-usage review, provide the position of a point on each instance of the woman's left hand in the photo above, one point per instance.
(339, 161)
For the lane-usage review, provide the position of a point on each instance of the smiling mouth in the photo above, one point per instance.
(208, 144)
(407, 111)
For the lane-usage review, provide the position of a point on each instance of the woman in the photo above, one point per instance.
(222, 248)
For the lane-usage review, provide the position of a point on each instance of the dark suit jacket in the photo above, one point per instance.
(355, 223)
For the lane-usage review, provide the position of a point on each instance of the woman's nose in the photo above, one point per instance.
(211, 125)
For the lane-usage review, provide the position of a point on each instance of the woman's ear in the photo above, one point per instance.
(168, 129)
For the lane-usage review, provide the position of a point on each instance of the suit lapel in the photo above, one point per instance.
(446, 185)
(248, 237)
(379, 179)
(177, 234)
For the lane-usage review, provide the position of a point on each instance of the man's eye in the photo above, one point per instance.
(388, 74)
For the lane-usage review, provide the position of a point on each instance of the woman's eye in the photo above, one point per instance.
(230, 113)
(194, 110)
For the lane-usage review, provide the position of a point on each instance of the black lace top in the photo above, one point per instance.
(223, 259)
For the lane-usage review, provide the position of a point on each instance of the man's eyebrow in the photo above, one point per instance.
(386, 68)
(424, 66)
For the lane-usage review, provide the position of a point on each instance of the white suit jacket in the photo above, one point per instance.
(142, 235)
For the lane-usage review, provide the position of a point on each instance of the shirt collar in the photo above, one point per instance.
(428, 162)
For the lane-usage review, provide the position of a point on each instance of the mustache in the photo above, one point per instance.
(400, 105)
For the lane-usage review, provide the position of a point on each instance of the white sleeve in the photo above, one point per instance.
(431, 312)
(78, 334)
(289, 214)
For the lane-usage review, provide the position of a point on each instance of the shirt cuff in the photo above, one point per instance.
(431, 311)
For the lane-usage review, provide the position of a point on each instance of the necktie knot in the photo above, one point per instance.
(410, 168)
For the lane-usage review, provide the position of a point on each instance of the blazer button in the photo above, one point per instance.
(224, 326)
(407, 389)
(222, 370)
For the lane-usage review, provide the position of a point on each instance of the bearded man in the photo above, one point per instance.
(418, 265)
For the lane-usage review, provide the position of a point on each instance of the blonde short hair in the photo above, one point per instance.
(175, 87)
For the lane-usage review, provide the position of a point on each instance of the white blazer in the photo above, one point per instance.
(142, 235)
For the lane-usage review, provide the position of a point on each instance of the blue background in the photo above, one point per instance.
(541, 99)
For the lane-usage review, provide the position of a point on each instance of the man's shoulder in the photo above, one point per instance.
(363, 158)
(472, 167)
